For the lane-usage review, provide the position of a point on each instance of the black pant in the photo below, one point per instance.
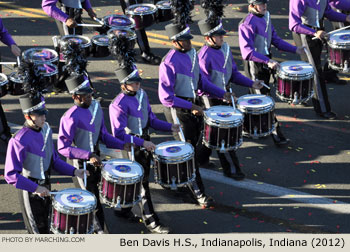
(320, 99)
(35, 211)
(192, 127)
(142, 39)
(5, 131)
(72, 13)
(204, 153)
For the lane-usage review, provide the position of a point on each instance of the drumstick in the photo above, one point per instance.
(262, 83)
(340, 29)
(18, 61)
(84, 173)
(90, 25)
(176, 120)
(132, 149)
(8, 63)
(233, 100)
(98, 20)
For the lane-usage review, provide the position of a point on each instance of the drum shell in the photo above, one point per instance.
(98, 49)
(213, 136)
(338, 57)
(4, 86)
(16, 86)
(63, 222)
(145, 19)
(129, 194)
(264, 123)
(164, 14)
(287, 89)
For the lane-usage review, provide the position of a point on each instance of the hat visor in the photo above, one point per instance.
(133, 80)
(185, 37)
(220, 32)
(40, 112)
(86, 90)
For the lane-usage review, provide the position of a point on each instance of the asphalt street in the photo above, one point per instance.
(300, 188)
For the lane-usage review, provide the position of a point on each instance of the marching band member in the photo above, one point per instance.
(131, 115)
(340, 6)
(306, 22)
(256, 36)
(5, 37)
(29, 159)
(217, 64)
(179, 80)
(142, 39)
(81, 129)
(68, 14)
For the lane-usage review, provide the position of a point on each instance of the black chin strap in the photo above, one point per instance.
(34, 127)
(182, 49)
(128, 92)
(213, 45)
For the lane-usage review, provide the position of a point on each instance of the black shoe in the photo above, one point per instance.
(328, 115)
(208, 165)
(159, 229)
(205, 201)
(279, 140)
(129, 215)
(236, 176)
(151, 58)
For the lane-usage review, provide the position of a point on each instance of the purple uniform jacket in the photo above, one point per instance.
(77, 120)
(213, 61)
(251, 26)
(343, 5)
(125, 106)
(297, 9)
(24, 143)
(50, 8)
(176, 63)
(5, 36)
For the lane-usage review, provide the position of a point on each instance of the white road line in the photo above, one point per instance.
(307, 200)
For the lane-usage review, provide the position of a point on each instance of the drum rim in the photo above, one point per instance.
(150, 12)
(73, 210)
(134, 36)
(161, 7)
(95, 42)
(54, 59)
(57, 231)
(214, 147)
(229, 124)
(172, 160)
(261, 110)
(5, 81)
(116, 179)
(108, 202)
(132, 25)
(12, 78)
(303, 76)
(338, 44)
(88, 44)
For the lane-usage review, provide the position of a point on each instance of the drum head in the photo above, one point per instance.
(173, 149)
(74, 201)
(164, 5)
(340, 40)
(3, 79)
(46, 69)
(141, 9)
(225, 114)
(83, 41)
(123, 168)
(17, 78)
(115, 20)
(255, 103)
(101, 40)
(130, 34)
(37, 55)
(299, 70)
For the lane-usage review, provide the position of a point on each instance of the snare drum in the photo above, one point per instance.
(258, 113)
(119, 21)
(223, 128)
(295, 79)
(73, 212)
(164, 11)
(121, 183)
(84, 42)
(128, 33)
(174, 164)
(17, 82)
(143, 14)
(3, 84)
(47, 72)
(40, 55)
(100, 46)
(339, 51)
